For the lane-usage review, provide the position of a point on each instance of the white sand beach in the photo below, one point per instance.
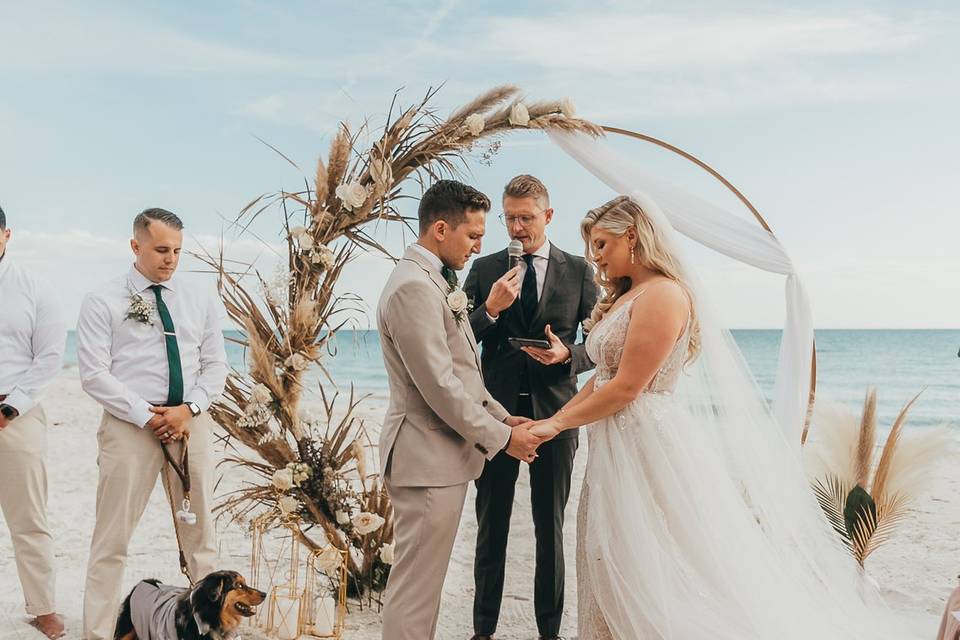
(916, 570)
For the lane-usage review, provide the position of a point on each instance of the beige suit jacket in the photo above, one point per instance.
(441, 421)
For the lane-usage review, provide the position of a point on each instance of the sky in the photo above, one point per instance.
(838, 121)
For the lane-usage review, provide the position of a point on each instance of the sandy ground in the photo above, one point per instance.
(916, 570)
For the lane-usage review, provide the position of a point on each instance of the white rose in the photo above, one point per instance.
(519, 116)
(366, 523)
(306, 242)
(283, 479)
(296, 362)
(352, 194)
(260, 394)
(567, 108)
(296, 232)
(329, 560)
(474, 123)
(386, 553)
(288, 505)
(342, 517)
(323, 256)
(457, 300)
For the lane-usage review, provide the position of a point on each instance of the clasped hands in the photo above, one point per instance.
(170, 423)
(529, 434)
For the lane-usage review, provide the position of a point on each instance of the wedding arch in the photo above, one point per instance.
(312, 471)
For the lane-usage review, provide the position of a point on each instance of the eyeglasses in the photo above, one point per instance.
(525, 221)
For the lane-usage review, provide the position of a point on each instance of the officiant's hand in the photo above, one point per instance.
(503, 292)
(558, 352)
(523, 444)
(516, 421)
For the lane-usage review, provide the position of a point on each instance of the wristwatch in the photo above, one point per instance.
(8, 412)
(194, 408)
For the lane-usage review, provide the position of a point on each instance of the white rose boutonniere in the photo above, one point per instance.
(519, 116)
(474, 124)
(352, 194)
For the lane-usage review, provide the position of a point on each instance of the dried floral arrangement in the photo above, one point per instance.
(865, 499)
(315, 469)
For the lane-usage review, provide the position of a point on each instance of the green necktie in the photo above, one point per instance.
(175, 388)
(449, 275)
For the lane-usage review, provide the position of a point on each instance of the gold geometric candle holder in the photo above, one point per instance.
(295, 605)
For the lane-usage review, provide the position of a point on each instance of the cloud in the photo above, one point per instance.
(84, 41)
(618, 42)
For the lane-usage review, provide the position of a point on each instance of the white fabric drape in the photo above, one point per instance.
(720, 230)
(700, 521)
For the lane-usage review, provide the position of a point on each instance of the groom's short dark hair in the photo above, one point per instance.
(448, 200)
(3, 219)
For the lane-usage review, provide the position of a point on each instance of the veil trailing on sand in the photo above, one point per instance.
(740, 549)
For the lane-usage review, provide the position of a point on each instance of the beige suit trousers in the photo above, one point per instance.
(130, 459)
(23, 498)
(425, 521)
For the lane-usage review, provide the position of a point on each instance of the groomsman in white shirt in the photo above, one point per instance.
(151, 352)
(32, 337)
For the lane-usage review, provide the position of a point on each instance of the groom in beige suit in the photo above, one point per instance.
(441, 423)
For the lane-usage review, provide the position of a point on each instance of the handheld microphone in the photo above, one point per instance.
(515, 251)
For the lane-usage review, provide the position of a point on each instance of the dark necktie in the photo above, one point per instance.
(175, 386)
(449, 275)
(528, 290)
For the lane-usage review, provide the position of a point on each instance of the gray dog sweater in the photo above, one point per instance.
(153, 610)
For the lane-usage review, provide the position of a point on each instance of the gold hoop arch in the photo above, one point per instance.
(756, 214)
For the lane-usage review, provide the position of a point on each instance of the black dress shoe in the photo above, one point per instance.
(480, 637)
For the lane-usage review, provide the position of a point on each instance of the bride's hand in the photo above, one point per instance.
(546, 429)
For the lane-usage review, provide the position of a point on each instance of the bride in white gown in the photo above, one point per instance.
(695, 520)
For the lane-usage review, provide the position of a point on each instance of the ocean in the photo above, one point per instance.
(899, 363)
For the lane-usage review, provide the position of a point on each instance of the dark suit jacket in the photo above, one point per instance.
(568, 297)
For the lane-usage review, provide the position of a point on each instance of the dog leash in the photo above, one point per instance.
(184, 515)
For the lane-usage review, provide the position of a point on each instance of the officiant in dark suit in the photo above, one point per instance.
(546, 296)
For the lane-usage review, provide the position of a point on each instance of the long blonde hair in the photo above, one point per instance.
(616, 217)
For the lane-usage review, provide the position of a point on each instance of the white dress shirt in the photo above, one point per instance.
(32, 336)
(431, 257)
(541, 258)
(123, 362)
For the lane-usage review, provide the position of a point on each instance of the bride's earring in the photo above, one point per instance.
(631, 254)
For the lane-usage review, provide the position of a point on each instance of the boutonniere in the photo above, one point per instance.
(140, 309)
(459, 303)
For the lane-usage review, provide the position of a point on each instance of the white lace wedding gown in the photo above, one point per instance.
(671, 544)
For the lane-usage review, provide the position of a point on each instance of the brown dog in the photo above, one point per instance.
(211, 610)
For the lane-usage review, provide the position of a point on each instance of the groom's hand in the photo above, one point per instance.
(523, 444)
(558, 352)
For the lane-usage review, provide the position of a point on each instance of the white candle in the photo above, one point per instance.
(286, 617)
(325, 616)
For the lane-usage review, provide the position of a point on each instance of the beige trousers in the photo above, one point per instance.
(425, 524)
(23, 498)
(130, 459)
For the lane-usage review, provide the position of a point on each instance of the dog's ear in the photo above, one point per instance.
(213, 588)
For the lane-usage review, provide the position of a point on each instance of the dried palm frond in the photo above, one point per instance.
(865, 519)
(867, 440)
